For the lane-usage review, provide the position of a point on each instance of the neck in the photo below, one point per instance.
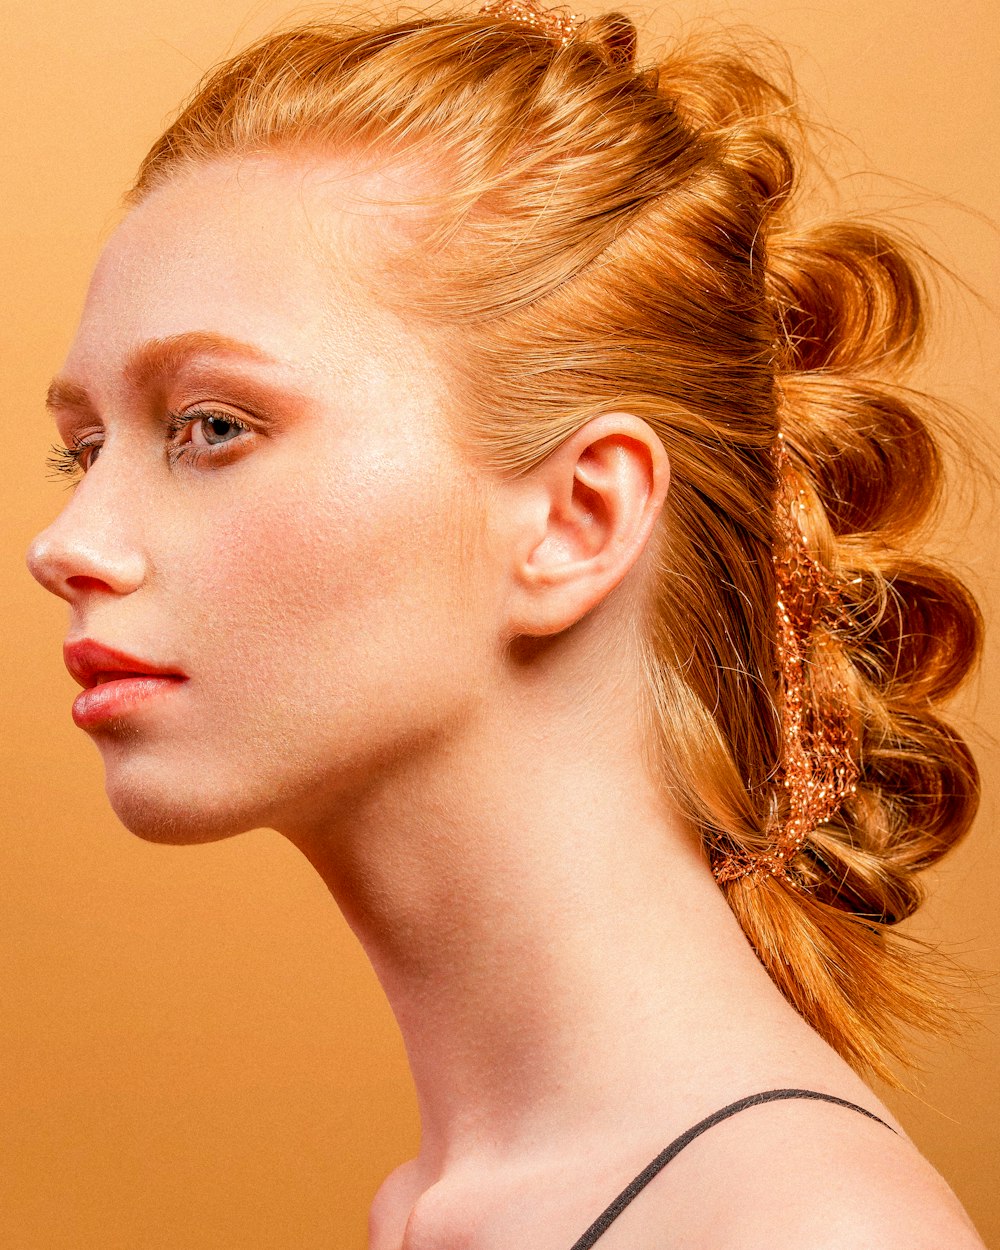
(548, 934)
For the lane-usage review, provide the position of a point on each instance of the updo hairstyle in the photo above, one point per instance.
(616, 237)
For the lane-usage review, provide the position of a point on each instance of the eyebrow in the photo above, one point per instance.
(149, 362)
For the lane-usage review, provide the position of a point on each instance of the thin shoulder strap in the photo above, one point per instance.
(612, 1212)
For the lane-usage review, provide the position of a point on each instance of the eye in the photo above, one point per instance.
(210, 420)
(66, 460)
(75, 461)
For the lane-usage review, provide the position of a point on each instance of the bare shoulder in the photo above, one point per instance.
(854, 1186)
(894, 1210)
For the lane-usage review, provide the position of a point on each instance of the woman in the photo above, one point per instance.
(508, 504)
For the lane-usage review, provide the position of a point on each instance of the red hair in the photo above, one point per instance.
(611, 236)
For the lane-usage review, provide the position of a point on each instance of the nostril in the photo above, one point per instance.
(47, 564)
(80, 581)
(68, 564)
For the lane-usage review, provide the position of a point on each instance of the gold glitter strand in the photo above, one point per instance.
(819, 756)
(558, 23)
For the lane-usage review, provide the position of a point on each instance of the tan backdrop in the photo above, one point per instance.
(194, 1053)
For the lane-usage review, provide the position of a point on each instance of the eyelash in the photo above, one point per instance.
(66, 460)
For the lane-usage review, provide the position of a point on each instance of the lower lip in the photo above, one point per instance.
(118, 697)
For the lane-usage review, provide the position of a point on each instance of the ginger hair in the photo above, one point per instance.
(611, 236)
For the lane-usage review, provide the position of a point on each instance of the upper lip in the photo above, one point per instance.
(87, 660)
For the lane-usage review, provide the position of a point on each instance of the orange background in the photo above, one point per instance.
(194, 1052)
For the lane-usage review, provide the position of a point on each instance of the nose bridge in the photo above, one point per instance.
(98, 536)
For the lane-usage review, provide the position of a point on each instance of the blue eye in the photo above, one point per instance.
(221, 420)
(74, 461)
(177, 421)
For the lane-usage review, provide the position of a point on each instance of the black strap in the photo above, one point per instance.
(612, 1212)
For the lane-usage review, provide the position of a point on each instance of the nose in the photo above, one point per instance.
(85, 549)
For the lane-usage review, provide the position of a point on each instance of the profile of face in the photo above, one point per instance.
(271, 506)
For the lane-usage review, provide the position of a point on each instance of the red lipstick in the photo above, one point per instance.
(114, 682)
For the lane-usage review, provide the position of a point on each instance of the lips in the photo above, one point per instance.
(91, 663)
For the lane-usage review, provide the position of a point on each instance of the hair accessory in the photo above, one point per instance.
(558, 23)
(819, 766)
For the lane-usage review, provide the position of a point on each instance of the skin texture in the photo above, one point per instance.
(349, 490)
(340, 588)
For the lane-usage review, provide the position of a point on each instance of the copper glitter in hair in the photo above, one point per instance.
(558, 23)
(819, 760)
(688, 168)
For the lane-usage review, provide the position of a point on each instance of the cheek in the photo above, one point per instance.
(330, 586)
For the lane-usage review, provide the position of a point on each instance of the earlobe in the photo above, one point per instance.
(595, 501)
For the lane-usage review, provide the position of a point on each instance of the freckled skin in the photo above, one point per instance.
(309, 586)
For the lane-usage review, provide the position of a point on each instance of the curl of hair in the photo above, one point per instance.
(614, 236)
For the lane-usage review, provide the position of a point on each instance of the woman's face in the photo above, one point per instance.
(319, 577)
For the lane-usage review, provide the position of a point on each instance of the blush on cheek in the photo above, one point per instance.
(283, 569)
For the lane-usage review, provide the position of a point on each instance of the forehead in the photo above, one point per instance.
(278, 250)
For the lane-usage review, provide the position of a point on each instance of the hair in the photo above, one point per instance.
(611, 236)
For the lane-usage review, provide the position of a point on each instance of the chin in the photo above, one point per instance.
(175, 816)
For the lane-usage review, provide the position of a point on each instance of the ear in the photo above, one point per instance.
(583, 517)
